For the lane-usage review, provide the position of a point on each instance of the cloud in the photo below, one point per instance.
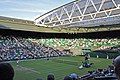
(7, 1)
(29, 10)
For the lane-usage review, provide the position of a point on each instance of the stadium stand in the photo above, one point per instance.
(95, 44)
(14, 20)
(79, 14)
(20, 48)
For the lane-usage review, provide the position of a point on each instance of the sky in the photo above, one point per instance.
(28, 9)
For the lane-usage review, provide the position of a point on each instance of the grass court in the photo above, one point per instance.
(60, 67)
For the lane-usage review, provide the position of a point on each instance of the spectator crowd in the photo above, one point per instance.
(94, 44)
(13, 48)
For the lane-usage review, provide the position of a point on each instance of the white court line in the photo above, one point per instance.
(25, 68)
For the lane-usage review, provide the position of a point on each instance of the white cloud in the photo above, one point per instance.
(29, 10)
(7, 1)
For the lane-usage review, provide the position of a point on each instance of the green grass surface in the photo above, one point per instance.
(33, 69)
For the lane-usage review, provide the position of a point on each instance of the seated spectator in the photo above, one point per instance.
(67, 78)
(116, 63)
(50, 77)
(6, 71)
